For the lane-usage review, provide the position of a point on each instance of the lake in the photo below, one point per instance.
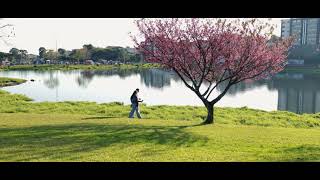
(299, 93)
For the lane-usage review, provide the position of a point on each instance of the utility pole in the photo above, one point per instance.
(56, 51)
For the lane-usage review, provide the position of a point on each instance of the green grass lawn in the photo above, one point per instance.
(86, 131)
(54, 137)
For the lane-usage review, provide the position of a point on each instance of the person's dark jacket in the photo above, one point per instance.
(134, 100)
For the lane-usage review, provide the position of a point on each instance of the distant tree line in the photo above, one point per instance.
(310, 53)
(87, 52)
(16, 56)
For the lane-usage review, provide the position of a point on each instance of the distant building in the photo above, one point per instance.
(89, 62)
(306, 30)
(5, 62)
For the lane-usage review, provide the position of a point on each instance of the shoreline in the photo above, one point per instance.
(46, 67)
(18, 103)
(5, 81)
(68, 127)
(301, 69)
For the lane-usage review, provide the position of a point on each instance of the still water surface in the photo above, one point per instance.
(299, 93)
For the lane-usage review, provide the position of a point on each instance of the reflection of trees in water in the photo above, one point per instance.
(307, 82)
(69, 72)
(296, 93)
(276, 82)
(241, 87)
(52, 82)
(299, 93)
(122, 73)
(27, 73)
(155, 78)
(23, 73)
(85, 78)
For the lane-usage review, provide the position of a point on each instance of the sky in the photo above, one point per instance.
(72, 33)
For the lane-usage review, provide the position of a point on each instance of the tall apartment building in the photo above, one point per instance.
(306, 30)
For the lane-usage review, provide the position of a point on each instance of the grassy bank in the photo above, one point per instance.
(75, 67)
(85, 131)
(308, 70)
(13, 103)
(4, 81)
(305, 70)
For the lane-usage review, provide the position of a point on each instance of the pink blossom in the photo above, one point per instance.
(212, 51)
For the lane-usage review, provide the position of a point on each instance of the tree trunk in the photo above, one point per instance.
(210, 117)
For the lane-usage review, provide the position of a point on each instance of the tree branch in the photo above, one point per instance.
(230, 83)
(6, 25)
(214, 86)
(184, 81)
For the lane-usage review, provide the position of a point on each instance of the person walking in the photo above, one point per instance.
(135, 104)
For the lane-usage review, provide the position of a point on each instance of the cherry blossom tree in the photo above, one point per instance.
(207, 52)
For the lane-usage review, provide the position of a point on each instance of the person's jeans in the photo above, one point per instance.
(135, 108)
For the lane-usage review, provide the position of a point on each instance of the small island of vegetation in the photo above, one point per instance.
(4, 81)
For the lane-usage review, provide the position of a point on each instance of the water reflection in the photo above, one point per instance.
(52, 82)
(299, 93)
(242, 87)
(154, 78)
(85, 78)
